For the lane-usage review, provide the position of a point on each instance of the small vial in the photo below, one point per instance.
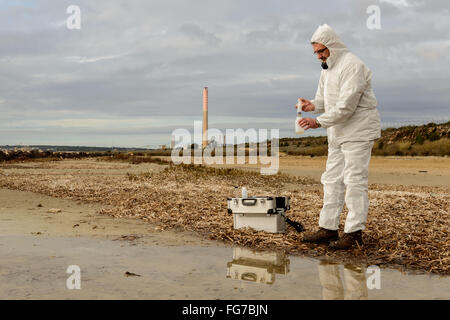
(244, 192)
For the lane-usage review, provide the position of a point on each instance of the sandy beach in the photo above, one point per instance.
(124, 258)
(406, 228)
(407, 171)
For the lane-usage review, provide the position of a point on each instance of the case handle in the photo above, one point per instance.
(249, 202)
(249, 276)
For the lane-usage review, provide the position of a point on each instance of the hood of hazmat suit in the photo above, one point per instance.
(344, 96)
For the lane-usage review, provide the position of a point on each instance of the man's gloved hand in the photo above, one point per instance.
(308, 123)
(307, 105)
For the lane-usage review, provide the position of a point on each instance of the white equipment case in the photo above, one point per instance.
(259, 213)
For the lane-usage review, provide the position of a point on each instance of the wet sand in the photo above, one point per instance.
(26, 213)
(37, 247)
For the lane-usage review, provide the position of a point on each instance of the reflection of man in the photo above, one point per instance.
(348, 106)
(332, 286)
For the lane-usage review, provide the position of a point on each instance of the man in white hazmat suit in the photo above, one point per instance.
(348, 111)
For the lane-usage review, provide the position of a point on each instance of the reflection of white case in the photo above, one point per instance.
(259, 213)
(258, 267)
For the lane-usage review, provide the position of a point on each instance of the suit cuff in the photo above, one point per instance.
(319, 106)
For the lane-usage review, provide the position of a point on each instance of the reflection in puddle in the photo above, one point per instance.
(35, 268)
(250, 266)
(256, 266)
(333, 287)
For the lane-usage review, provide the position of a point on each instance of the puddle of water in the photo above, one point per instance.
(35, 268)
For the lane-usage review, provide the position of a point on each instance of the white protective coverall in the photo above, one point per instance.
(348, 106)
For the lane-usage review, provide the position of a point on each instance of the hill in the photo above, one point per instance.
(426, 140)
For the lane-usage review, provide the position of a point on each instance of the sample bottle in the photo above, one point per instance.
(298, 128)
(244, 192)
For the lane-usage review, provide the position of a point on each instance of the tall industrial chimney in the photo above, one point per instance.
(205, 118)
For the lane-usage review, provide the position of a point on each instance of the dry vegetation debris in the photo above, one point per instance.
(407, 225)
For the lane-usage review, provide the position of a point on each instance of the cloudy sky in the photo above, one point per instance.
(135, 70)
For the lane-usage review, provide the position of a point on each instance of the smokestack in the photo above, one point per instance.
(205, 118)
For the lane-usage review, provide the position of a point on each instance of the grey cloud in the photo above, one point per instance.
(194, 31)
(152, 58)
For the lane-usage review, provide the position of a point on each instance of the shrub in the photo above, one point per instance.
(420, 139)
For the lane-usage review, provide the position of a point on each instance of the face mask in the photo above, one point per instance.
(324, 65)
